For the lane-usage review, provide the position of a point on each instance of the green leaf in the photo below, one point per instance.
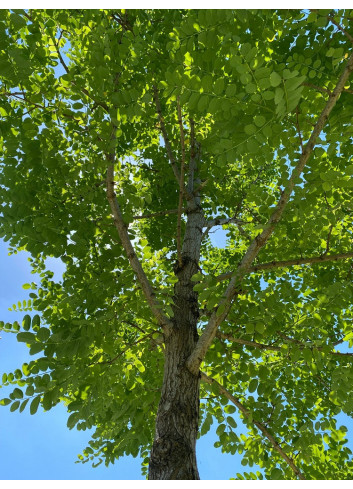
(250, 129)
(26, 338)
(14, 406)
(229, 409)
(231, 422)
(275, 79)
(34, 405)
(35, 321)
(253, 385)
(220, 429)
(72, 420)
(23, 405)
(250, 328)
(30, 391)
(197, 277)
(219, 86)
(260, 328)
(17, 393)
(5, 401)
(276, 474)
(259, 120)
(26, 323)
(43, 334)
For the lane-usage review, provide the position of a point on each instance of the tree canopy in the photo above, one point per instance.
(126, 138)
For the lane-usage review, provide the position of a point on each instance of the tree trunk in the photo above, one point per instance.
(173, 454)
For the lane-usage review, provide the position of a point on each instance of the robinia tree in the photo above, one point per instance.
(127, 137)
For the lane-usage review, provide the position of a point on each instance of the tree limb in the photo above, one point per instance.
(261, 346)
(193, 156)
(220, 221)
(229, 337)
(195, 359)
(83, 90)
(161, 213)
(181, 185)
(348, 36)
(167, 144)
(288, 263)
(246, 413)
(121, 227)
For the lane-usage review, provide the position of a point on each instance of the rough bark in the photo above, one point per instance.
(173, 454)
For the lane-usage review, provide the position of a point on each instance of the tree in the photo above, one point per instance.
(127, 137)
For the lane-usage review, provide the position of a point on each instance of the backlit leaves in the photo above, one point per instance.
(254, 82)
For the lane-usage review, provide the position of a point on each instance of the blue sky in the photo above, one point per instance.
(41, 446)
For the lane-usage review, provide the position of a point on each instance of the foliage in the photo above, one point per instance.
(255, 82)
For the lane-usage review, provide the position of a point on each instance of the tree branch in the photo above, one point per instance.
(167, 144)
(64, 65)
(324, 90)
(319, 348)
(193, 153)
(298, 129)
(289, 263)
(220, 221)
(261, 346)
(348, 36)
(161, 213)
(83, 90)
(195, 359)
(229, 337)
(246, 413)
(181, 186)
(147, 289)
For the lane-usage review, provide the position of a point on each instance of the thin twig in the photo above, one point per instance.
(328, 240)
(320, 89)
(298, 128)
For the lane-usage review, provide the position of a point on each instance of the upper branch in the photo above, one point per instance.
(161, 213)
(240, 341)
(261, 346)
(167, 144)
(348, 36)
(193, 158)
(222, 221)
(181, 184)
(261, 239)
(83, 90)
(288, 263)
(209, 380)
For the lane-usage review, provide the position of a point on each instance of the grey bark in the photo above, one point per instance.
(173, 455)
